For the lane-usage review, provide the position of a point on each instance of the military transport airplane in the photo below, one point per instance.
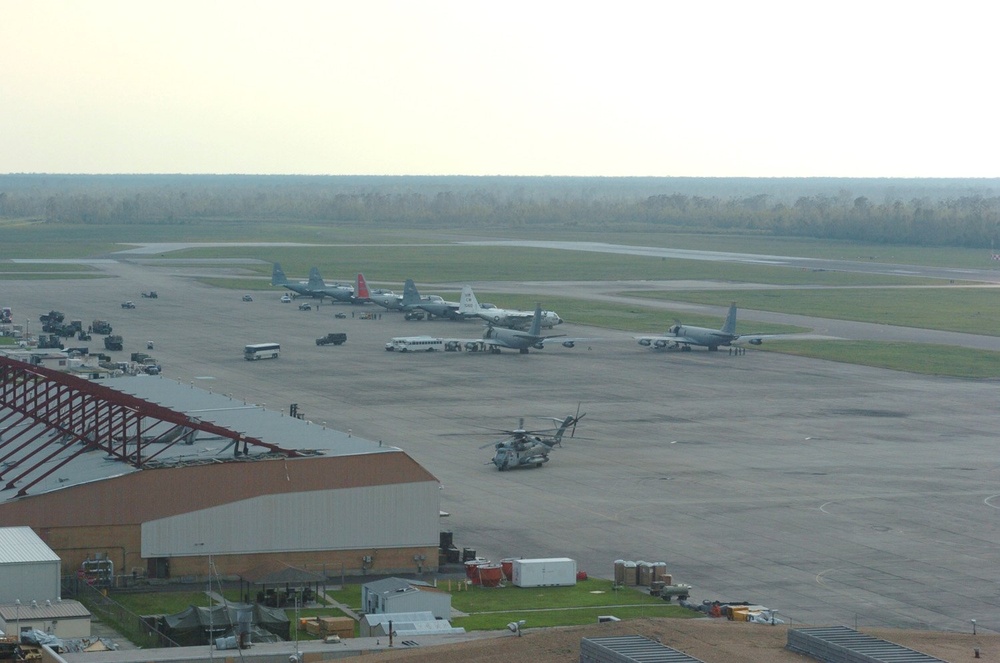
(516, 339)
(387, 299)
(300, 288)
(315, 287)
(338, 292)
(682, 337)
(500, 317)
(435, 306)
(363, 294)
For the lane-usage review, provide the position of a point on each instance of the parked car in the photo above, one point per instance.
(340, 315)
(305, 306)
(286, 299)
(128, 304)
(247, 298)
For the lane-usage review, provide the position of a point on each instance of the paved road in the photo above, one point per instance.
(833, 493)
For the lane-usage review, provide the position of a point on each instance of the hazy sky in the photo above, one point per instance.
(862, 89)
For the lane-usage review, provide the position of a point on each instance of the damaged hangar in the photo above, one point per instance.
(156, 476)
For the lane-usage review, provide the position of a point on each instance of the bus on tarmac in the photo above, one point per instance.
(415, 344)
(261, 351)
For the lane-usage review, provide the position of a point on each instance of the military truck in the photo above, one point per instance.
(49, 341)
(337, 338)
(54, 317)
(113, 343)
(66, 329)
(100, 327)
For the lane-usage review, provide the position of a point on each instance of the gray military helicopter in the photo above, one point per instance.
(531, 448)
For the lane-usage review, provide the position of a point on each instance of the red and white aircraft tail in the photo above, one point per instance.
(361, 288)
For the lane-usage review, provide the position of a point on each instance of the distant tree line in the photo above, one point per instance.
(931, 213)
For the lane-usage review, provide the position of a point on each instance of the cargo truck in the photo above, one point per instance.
(546, 572)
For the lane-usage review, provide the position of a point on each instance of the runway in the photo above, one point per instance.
(833, 493)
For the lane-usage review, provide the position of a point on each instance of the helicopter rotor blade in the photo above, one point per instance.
(576, 418)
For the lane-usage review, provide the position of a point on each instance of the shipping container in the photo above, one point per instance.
(547, 572)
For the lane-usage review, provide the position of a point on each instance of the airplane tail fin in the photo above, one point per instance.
(361, 288)
(277, 275)
(730, 326)
(410, 295)
(536, 322)
(315, 280)
(468, 304)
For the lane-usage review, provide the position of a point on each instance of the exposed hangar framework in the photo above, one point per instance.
(158, 476)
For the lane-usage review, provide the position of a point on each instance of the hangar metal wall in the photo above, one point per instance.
(38, 581)
(386, 516)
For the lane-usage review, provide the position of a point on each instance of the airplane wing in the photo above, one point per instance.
(758, 339)
(665, 342)
(567, 341)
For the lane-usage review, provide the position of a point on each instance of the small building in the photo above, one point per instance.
(394, 595)
(52, 358)
(63, 619)
(406, 624)
(29, 569)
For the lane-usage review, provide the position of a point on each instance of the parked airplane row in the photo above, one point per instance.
(411, 301)
(506, 328)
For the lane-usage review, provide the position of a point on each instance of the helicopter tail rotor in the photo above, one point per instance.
(576, 419)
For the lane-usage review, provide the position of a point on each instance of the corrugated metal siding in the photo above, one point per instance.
(174, 491)
(19, 545)
(387, 516)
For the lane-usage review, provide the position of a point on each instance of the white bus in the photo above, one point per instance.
(261, 351)
(415, 344)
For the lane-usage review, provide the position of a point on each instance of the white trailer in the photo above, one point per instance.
(547, 572)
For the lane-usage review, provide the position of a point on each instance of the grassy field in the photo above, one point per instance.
(494, 608)
(393, 263)
(922, 358)
(486, 608)
(970, 310)
(34, 238)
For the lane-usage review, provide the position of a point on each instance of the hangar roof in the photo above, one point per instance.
(231, 412)
(74, 464)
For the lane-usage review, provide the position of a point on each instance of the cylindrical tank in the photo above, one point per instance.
(507, 565)
(472, 570)
(490, 575)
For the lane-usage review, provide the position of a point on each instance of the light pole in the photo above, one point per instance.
(17, 604)
(973, 627)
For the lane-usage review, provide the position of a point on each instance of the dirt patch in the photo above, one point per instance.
(711, 640)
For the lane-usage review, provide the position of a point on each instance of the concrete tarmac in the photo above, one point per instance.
(836, 494)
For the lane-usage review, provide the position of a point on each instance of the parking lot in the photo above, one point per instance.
(830, 492)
